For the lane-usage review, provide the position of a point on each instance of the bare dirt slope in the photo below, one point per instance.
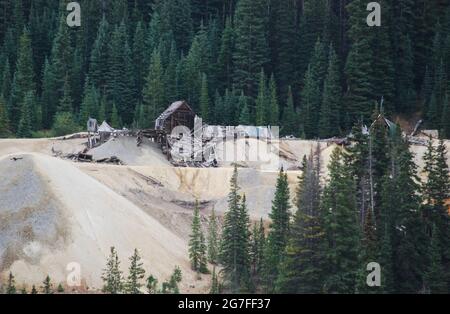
(125, 148)
(54, 211)
(53, 214)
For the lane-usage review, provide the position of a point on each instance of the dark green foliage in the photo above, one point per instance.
(204, 99)
(98, 68)
(136, 274)
(24, 79)
(340, 227)
(331, 110)
(310, 106)
(244, 116)
(436, 193)
(225, 57)
(406, 60)
(153, 94)
(171, 286)
(360, 98)
(152, 284)
(301, 271)
(47, 286)
(197, 247)
(112, 275)
(11, 285)
(213, 238)
(64, 124)
(278, 233)
(251, 51)
(403, 205)
(59, 289)
(25, 126)
(234, 253)
(4, 123)
(435, 274)
(215, 285)
(289, 116)
(257, 246)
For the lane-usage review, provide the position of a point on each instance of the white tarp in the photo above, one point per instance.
(105, 128)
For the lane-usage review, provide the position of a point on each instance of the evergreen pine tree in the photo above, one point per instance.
(330, 120)
(261, 101)
(225, 58)
(234, 253)
(60, 288)
(153, 93)
(279, 231)
(25, 126)
(310, 104)
(409, 242)
(204, 99)
(136, 274)
(197, 252)
(290, 121)
(99, 57)
(435, 282)
(301, 270)
(273, 109)
(112, 275)
(445, 122)
(215, 286)
(115, 119)
(244, 116)
(66, 102)
(360, 96)
(47, 286)
(284, 43)
(340, 227)
(23, 79)
(213, 238)
(257, 246)
(11, 285)
(152, 284)
(4, 122)
(49, 96)
(251, 52)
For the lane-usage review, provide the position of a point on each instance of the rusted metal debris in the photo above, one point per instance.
(111, 160)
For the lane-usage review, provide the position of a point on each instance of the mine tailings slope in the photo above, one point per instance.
(53, 214)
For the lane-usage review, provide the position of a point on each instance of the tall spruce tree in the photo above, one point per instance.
(234, 252)
(4, 122)
(197, 252)
(11, 285)
(408, 238)
(112, 275)
(341, 227)
(330, 112)
(289, 116)
(257, 246)
(251, 51)
(360, 97)
(25, 126)
(213, 238)
(301, 271)
(136, 274)
(310, 105)
(279, 231)
(24, 78)
(153, 93)
(204, 99)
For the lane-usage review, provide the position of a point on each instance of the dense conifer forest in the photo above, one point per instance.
(313, 67)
